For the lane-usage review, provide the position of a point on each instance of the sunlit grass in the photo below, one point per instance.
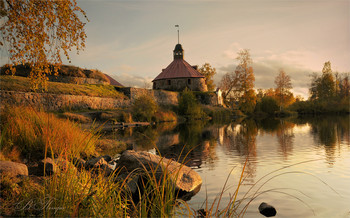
(32, 132)
(22, 84)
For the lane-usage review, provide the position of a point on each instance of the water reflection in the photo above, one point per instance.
(213, 149)
(194, 143)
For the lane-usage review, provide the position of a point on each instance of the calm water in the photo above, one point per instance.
(301, 165)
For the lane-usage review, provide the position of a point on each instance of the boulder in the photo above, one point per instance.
(64, 164)
(13, 168)
(186, 180)
(79, 163)
(48, 165)
(267, 210)
(95, 163)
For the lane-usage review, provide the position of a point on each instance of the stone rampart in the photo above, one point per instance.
(54, 102)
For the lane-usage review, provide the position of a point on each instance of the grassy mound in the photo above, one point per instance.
(65, 70)
(22, 84)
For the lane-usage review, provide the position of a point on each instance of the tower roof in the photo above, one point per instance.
(179, 68)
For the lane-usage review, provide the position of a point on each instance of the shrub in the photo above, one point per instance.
(164, 116)
(125, 117)
(144, 108)
(188, 105)
(268, 105)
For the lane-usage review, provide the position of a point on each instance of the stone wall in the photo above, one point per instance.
(162, 97)
(53, 102)
(179, 84)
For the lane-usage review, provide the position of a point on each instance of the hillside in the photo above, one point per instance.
(22, 84)
(64, 71)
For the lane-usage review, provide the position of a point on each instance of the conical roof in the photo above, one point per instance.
(179, 68)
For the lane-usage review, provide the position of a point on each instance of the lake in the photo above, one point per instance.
(301, 166)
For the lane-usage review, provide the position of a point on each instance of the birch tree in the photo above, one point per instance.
(39, 33)
(283, 86)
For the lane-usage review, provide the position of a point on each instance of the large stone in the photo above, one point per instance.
(48, 166)
(96, 162)
(267, 210)
(186, 180)
(13, 168)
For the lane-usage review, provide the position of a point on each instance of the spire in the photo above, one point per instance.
(178, 51)
(178, 34)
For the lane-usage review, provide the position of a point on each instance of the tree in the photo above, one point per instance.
(326, 88)
(228, 85)
(283, 86)
(239, 85)
(245, 76)
(323, 87)
(208, 71)
(344, 87)
(39, 32)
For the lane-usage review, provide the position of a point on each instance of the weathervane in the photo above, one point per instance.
(178, 34)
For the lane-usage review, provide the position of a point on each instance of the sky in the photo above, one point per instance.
(133, 41)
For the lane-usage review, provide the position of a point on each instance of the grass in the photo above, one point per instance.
(71, 192)
(22, 84)
(26, 132)
(65, 70)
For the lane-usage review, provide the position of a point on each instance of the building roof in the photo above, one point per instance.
(113, 81)
(179, 68)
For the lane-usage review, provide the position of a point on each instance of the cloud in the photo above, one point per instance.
(265, 71)
(131, 80)
(231, 52)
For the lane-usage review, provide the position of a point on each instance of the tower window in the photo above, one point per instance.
(189, 81)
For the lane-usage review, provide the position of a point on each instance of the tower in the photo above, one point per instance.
(178, 52)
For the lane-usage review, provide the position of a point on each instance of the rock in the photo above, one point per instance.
(13, 168)
(48, 165)
(64, 164)
(95, 162)
(107, 158)
(267, 210)
(188, 182)
(79, 163)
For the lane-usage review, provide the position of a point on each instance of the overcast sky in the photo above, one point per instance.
(133, 40)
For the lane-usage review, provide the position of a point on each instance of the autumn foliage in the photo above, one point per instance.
(39, 32)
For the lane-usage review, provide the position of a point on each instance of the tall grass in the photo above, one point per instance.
(30, 131)
(72, 192)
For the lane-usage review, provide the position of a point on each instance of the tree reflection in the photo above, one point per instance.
(330, 131)
(241, 138)
(285, 137)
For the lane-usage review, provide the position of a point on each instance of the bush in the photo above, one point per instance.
(268, 105)
(188, 105)
(144, 108)
(164, 116)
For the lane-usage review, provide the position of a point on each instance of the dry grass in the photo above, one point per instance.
(31, 132)
(65, 70)
(22, 84)
(76, 117)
